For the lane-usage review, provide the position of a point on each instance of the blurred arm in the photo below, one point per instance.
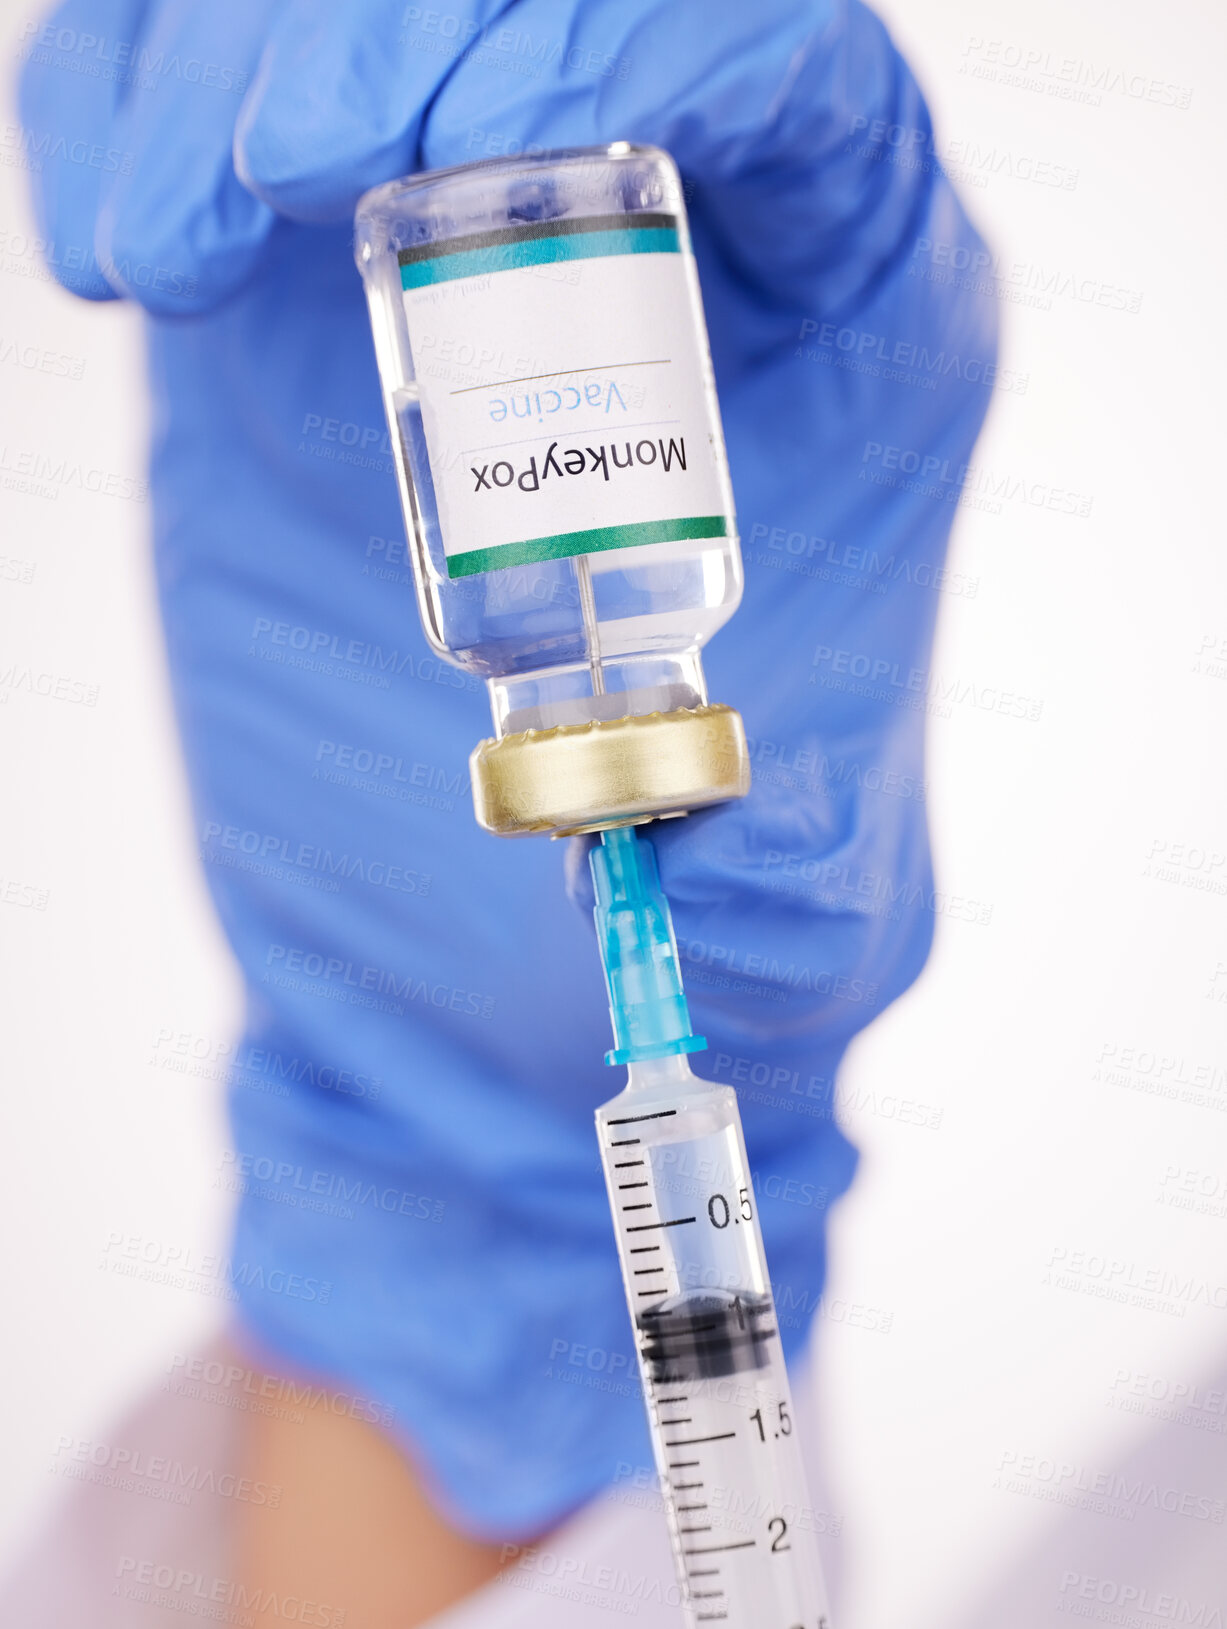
(353, 1531)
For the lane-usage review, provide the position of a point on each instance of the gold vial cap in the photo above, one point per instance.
(612, 772)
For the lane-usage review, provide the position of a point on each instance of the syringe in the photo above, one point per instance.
(723, 1431)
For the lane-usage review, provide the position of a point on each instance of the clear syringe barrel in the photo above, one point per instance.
(715, 1383)
(723, 1430)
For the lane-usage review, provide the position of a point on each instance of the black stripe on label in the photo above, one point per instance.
(562, 228)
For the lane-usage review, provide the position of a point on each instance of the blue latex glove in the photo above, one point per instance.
(412, 1106)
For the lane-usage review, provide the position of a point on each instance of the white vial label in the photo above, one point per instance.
(565, 393)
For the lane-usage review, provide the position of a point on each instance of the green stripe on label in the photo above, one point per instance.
(654, 240)
(564, 544)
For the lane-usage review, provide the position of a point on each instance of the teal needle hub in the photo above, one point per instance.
(639, 951)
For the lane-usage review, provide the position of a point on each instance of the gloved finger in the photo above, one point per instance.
(805, 908)
(771, 112)
(759, 107)
(81, 65)
(778, 948)
(179, 231)
(338, 100)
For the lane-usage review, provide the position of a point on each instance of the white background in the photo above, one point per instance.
(1063, 825)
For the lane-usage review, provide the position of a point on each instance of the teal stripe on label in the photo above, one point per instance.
(653, 240)
(564, 544)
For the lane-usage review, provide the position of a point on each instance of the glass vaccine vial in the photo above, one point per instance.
(545, 370)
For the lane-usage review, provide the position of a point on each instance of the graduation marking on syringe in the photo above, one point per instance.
(634, 1119)
(645, 1227)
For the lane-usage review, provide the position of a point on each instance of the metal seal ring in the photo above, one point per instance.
(585, 777)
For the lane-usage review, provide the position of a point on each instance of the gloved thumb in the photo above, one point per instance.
(181, 210)
(68, 116)
(339, 97)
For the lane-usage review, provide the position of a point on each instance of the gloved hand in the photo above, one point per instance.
(423, 1219)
